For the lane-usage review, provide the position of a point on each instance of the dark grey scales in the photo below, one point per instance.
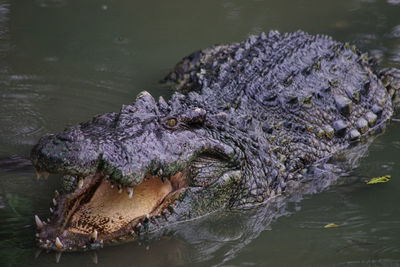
(246, 122)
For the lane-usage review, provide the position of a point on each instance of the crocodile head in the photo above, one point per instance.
(134, 172)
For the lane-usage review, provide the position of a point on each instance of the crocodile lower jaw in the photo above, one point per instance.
(98, 212)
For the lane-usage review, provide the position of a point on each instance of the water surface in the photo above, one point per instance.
(62, 62)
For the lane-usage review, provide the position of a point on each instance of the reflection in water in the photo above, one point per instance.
(210, 241)
(165, 252)
(216, 239)
(15, 211)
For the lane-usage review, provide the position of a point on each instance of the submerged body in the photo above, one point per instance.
(245, 124)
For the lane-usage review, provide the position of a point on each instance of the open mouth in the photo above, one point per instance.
(99, 212)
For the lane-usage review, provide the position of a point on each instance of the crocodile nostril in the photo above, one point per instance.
(65, 137)
(71, 135)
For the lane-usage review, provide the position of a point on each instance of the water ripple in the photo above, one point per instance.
(371, 262)
(20, 119)
(232, 10)
(396, 54)
(50, 3)
(23, 122)
(2, 206)
(395, 32)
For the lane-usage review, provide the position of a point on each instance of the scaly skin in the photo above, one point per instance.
(246, 122)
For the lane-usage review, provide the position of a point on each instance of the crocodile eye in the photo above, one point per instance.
(171, 122)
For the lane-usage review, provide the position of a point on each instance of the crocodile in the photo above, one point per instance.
(244, 125)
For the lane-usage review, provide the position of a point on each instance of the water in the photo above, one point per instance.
(62, 62)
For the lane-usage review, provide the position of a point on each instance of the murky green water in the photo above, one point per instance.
(61, 62)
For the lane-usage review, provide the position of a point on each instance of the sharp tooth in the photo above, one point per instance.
(51, 210)
(147, 216)
(46, 175)
(58, 243)
(80, 183)
(56, 194)
(130, 191)
(38, 175)
(119, 189)
(54, 202)
(94, 235)
(58, 256)
(112, 185)
(39, 222)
